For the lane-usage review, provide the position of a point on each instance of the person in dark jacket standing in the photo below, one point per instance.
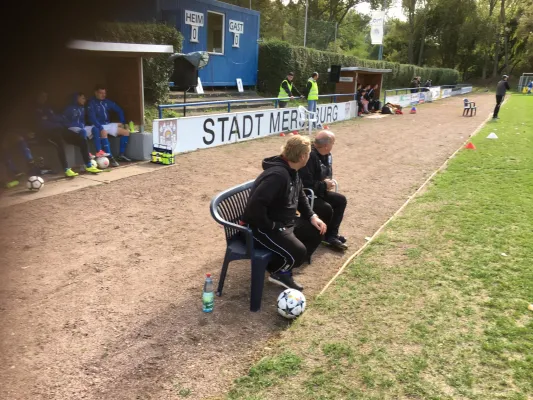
(501, 90)
(271, 213)
(317, 175)
(287, 89)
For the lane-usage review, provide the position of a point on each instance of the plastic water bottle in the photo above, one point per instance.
(208, 297)
(132, 126)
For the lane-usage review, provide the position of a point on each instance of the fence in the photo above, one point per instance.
(412, 96)
(228, 103)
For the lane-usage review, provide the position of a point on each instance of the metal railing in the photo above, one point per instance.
(276, 101)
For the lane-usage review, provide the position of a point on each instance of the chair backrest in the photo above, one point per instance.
(227, 208)
(305, 115)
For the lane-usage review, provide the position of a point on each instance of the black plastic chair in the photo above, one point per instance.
(227, 208)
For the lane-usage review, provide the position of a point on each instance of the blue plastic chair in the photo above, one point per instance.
(227, 208)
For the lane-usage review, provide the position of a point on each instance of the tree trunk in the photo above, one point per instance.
(485, 67)
(497, 51)
(496, 57)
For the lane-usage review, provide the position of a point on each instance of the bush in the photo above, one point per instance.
(156, 70)
(276, 58)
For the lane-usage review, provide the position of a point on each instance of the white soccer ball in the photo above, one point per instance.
(102, 162)
(35, 183)
(291, 303)
(94, 164)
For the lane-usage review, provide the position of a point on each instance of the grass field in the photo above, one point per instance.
(437, 306)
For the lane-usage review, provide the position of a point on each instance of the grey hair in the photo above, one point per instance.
(324, 141)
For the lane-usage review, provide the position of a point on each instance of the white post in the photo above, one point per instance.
(305, 22)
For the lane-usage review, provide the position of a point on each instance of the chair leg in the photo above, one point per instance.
(258, 281)
(223, 273)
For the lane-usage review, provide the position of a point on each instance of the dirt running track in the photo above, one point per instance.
(101, 287)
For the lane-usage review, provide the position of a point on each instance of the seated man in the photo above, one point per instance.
(317, 175)
(99, 109)
(271, 213)
(75, 119)
(9, 144)
(52, 128)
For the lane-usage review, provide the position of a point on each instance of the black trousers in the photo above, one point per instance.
(291, 246)
(58, 137)
(499, 100)
(330, 209)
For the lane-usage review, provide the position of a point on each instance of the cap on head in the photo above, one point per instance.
(505, 76)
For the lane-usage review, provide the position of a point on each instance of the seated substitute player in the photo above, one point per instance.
(317, 175)
(271, 213)
(99, 110)
(75, 119)
(52, 128)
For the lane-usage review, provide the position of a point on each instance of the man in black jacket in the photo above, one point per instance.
(271, 213)
(317, 175)
(501, 90)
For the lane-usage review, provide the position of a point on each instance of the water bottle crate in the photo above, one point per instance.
(162, 154)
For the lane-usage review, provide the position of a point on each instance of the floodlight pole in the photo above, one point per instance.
(305, 23)
(380, 53)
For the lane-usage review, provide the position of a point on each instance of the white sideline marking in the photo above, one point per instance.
(349, 260)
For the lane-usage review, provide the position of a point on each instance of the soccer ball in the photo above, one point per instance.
(35, 183)
(291, 303)
(102, 162)
(94, 164)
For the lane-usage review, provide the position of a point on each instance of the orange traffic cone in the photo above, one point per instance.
(282, 134)
(470, 146)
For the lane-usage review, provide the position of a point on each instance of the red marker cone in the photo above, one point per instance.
(294, 132)
(413, 110)
(282, 134)
(326, 127)
(470, 146)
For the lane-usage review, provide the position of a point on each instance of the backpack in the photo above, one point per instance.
(386, 110)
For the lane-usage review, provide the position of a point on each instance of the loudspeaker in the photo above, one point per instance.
(185, 74)
(335, 73)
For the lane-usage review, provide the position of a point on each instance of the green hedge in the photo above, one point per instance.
(276, 58)
(156, 70)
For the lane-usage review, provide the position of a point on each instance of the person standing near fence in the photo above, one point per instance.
(311, 91)
(286, 89)
(501, 90)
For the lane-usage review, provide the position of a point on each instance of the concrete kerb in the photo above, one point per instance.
(64, 185)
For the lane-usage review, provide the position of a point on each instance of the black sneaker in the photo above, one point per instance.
(113, 162)
(285, 280)
(122, 157)
(341, 238)
(335, 244)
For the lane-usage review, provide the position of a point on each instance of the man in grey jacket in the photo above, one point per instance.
(501, 89)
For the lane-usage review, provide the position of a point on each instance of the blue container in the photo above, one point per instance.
(216, 25)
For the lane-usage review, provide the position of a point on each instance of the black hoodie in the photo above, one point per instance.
(276, 195)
